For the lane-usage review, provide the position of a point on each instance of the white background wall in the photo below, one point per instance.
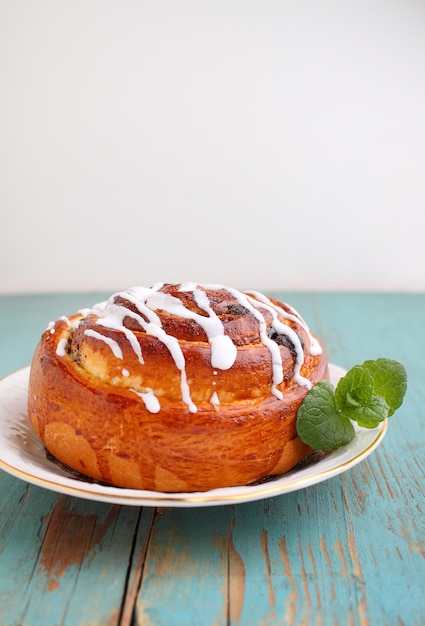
(269, 144)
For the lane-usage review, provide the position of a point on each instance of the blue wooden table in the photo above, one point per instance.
(348, 551)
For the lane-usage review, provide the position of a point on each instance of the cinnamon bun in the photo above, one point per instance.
(175, 388)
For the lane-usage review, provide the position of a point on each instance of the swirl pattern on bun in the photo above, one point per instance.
(175, 388)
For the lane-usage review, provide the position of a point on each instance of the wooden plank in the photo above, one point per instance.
(141, 540)
(186, 574)
(324, 556)
(64, 560)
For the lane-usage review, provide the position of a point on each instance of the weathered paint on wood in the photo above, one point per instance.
(63, 560)
(347, 551)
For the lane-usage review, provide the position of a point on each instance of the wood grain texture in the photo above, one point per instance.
(60, 558)
(347, 551)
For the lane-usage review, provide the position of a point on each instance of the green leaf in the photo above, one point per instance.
(319, 424)
(367, 394)
(376, 387)
(355, 399)
(356, 387)
(369, 414)
(389, 381)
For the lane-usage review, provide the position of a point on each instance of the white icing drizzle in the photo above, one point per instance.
(223, 351)
(272, 346)
(113, 317)
(214, 398)
(61, 347)
(150, 400)
(315, 347)
(252, 302)
(188, 286)
(125, 372)
(176, 352)
(110, 342)
(51, 327)
(139, 296)
(283, 329)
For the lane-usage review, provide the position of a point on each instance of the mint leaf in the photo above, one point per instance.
(355, 387)
(371, 392)
(369, 414)
(319, 424)
(354, 397)
(367, 394)
(389, 381)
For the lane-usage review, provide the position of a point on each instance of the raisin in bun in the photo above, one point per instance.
(175, 388)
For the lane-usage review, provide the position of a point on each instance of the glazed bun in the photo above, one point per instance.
(175, 388)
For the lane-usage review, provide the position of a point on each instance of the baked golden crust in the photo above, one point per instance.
(144, 392)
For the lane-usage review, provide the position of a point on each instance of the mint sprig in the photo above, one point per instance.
(367, 394)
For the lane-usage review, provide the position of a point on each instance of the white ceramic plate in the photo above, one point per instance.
(23, 456)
